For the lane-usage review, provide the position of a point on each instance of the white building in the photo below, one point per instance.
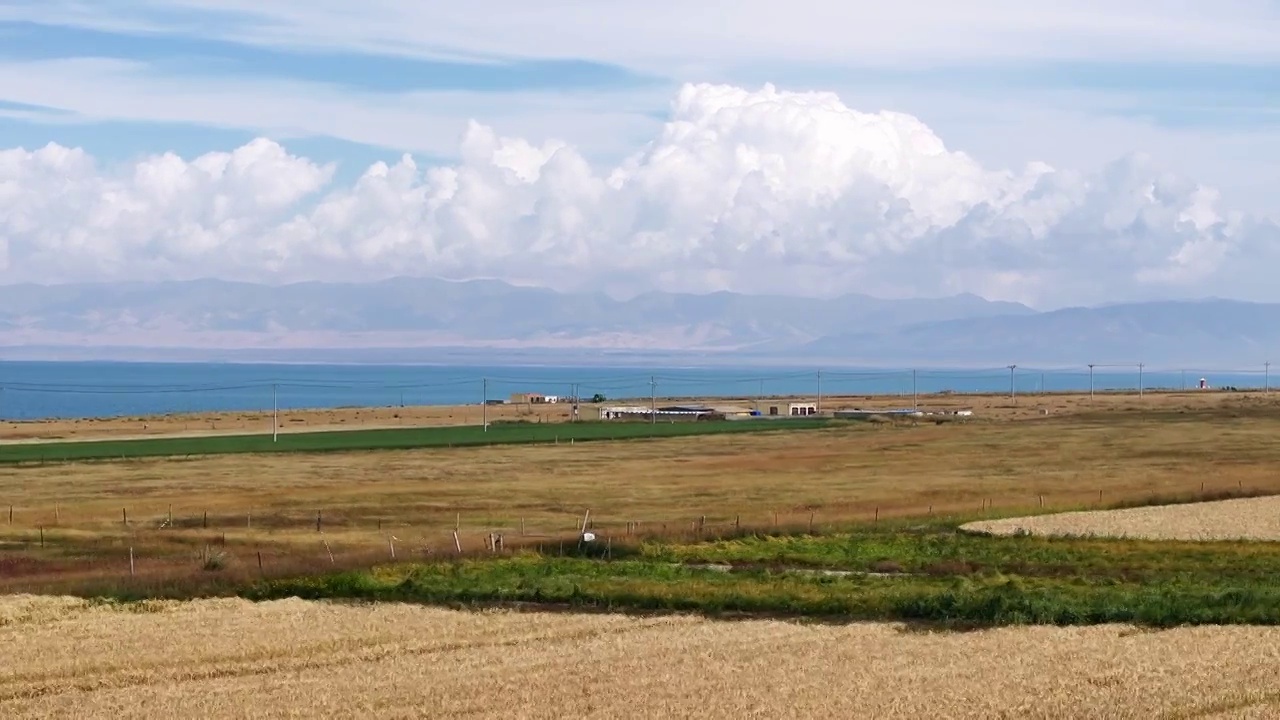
(802, 408)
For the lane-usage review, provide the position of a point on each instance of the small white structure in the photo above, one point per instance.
(626, 412)
(1204, 384)
(802, 408)
(622, 412)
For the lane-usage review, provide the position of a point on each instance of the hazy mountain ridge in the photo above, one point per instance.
(405, 317)
(443, 312)
(1210, 331)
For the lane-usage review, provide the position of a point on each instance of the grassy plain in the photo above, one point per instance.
(846, 523)
(231, 658)
(75, 523)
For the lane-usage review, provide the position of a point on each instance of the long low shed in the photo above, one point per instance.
(622, 412)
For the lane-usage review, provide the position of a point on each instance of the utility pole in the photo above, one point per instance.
(1140, 366)
(1041, 383)
(915, 395)
(1184, 380)
(1266, 377)
(653, 400)
(1013, 387)
(760, 395)
(1090, 382)
(819, 404)
(484, 403)
(275, 412)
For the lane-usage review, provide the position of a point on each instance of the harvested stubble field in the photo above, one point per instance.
(1235, 519)
(290, 658)
(246, 506)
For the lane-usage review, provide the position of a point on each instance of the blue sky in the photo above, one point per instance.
(1191, 87)
(1157, 79)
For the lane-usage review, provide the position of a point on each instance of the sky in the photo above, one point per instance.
(1052, 153)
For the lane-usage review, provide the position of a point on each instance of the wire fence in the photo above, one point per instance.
(88, 544)
(30, 391)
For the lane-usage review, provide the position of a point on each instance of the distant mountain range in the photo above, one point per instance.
(427, 320)
(1215, 333)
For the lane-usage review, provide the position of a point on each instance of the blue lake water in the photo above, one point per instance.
(33, 390)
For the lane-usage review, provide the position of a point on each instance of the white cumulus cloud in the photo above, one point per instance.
(752, 190)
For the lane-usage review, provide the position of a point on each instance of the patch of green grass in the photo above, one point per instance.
(947, 552)
(916, 570)
(904, 570)
(650, 586)
(388, 439)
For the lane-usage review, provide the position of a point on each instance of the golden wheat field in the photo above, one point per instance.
(1238, 519)
(291, 658)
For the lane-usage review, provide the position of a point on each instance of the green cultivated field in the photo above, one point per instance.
(500, 433)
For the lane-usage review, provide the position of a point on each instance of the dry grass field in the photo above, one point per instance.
(997, 407)
(231, 658)
(372, 502)
(75, 526)
(1237, 519)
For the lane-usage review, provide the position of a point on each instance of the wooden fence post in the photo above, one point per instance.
(130, 560)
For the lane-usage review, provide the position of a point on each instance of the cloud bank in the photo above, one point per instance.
(750, 190)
